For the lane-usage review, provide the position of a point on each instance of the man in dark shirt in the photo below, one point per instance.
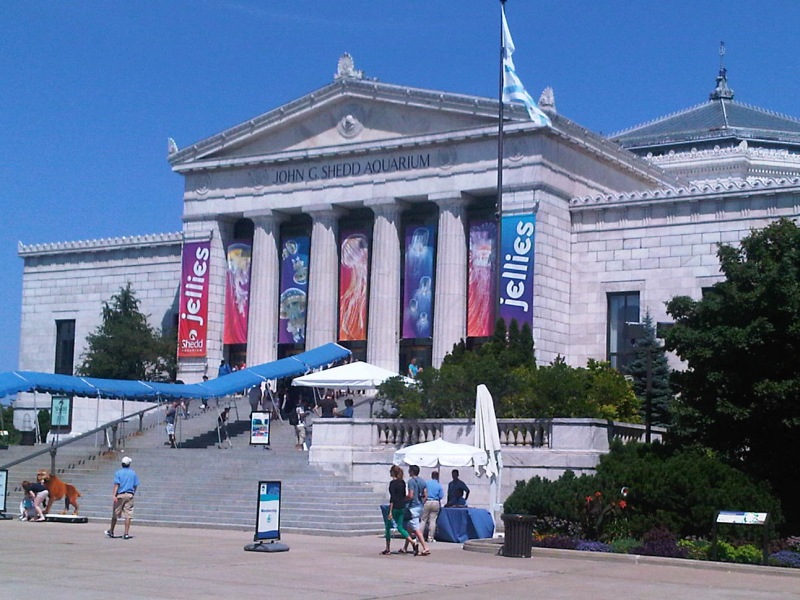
(457, 491)
(328, 406)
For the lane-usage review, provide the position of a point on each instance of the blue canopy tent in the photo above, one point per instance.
(13, 382)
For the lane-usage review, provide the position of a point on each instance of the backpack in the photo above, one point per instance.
(293, 420)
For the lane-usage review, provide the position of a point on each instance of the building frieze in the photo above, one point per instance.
(694, 192)
(117, 243)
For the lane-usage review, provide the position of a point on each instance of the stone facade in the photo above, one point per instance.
(386, 157)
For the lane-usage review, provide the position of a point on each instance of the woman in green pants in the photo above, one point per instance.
(397, 506)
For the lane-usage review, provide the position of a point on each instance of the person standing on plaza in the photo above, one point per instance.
(328, 406)
(172, 410)
(224, 369)
(413, 369)
(432, 506)
(416, 497)
(457, 491)
(254, 397)
(126, 482)
(222, 428)
(397, 506)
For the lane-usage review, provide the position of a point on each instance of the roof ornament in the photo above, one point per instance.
(172, 147)
(346, 68)
(547, 101)
(722, 91)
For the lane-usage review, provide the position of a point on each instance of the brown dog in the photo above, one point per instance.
(57, 490)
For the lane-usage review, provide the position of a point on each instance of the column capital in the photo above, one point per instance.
(265, 214)
(386, 207)
(324, 210)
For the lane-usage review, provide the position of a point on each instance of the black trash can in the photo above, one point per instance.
(27, 438)
(518, 539)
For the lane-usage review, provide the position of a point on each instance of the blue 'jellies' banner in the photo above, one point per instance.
(516, 268)
(419, 282)
(294, 289)
(268, 521)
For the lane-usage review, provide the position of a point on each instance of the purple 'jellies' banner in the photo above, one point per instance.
(237, 292)
(353, 277)
(419, 282)
(516, 268)
(480, 285)
(294, 289)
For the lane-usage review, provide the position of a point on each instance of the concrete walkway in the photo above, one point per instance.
(72, 561)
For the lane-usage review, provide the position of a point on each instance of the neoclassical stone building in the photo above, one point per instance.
(364, 213)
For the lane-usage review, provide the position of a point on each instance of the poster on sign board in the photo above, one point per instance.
(268, 518)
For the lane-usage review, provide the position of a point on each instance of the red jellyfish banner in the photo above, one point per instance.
(237, 293)
(353, 278)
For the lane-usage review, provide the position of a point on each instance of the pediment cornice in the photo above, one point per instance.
(343, 88)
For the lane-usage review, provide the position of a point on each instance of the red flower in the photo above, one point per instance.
(622, 504)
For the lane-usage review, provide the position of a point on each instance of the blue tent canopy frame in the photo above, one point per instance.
(14, 382)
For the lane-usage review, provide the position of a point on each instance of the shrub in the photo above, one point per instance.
(660, 541)
(696, 548)
(588, 546)
(680, 489)
(785, 558)
(624, 545)
(561, 542)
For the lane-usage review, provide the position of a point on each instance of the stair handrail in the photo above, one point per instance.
(111, 442)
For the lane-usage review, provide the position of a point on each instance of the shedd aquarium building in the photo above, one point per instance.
(364, 214)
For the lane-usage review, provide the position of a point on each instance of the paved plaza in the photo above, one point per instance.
(76, 561)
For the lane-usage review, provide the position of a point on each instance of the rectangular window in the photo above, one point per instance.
(65, 346)
(623, 308)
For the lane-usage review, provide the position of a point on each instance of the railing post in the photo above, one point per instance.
(53, 451)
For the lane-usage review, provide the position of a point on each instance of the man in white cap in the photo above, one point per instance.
(126, 482)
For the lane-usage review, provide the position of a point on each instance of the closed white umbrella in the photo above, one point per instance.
(438, 452)
(487, 437)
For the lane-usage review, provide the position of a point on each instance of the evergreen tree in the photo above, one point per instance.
(648, 348)
(741, 343)
(124, 346)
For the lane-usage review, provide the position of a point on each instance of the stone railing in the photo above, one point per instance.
(362, 449)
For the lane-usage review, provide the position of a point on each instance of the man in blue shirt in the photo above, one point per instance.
(126, 482)
(457, 491)
(430, 511)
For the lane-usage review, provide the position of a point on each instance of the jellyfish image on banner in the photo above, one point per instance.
(353, 276)
(293, 286)
(293, 311)
(237, 292)
(480, 287)
(418, 284)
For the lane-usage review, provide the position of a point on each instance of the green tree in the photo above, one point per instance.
(740, 392)
(648, 348)
(124, 346)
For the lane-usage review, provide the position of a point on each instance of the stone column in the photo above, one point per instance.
(323, 277)
(262, 325)
(450, 309)
(383, 328)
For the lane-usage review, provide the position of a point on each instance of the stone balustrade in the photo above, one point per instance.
(363, 449)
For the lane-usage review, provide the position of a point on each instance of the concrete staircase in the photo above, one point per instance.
(202, 485)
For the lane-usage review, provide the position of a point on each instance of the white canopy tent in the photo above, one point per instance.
(438, 452)
(355, 376)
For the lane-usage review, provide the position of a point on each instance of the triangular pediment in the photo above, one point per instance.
(345, 112)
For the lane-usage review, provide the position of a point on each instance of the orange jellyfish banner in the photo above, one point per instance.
(237, 293)
(418, 284)
(294, 289)
(480, 285)
(353, 277)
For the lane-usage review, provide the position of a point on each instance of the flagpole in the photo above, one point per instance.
(499, 203)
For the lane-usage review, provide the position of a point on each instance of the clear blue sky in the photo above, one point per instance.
(91, 90)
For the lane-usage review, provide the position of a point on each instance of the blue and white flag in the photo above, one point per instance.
(512, 86)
